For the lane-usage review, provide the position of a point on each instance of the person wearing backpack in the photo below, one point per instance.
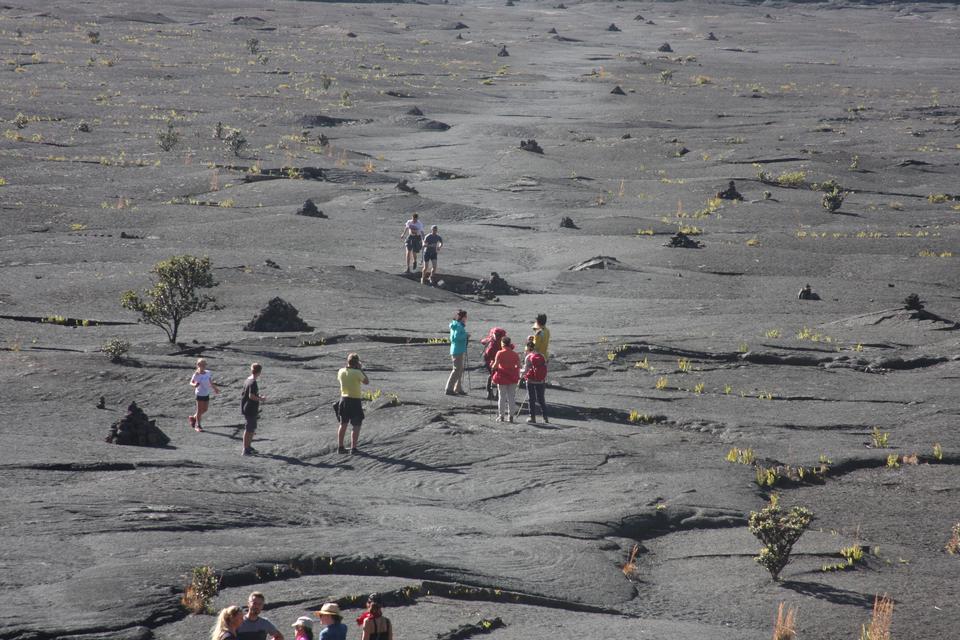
(534, 371)
(506, 375)
(491, 345)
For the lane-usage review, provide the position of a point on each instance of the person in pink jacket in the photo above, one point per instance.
(506, 375)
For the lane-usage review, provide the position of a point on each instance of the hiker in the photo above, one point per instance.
(203, 385)
(303, 627)
(541, 335)
(373, 624)
(228, 621)
(332, 619)
(431, 247)
(534, 371)
(806, 293)
(458, 353)
(254, 626)
(413, 232)
(506, 375)
(491, 347)
(350, 409)
(250, 408)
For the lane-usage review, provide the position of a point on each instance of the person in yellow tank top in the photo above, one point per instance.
(541, 336)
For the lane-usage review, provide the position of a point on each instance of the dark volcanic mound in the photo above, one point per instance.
(278, 316)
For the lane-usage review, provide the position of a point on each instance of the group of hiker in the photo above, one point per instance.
(246, 623)
(416, 242)
(503, 366)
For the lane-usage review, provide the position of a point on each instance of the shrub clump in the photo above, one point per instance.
(168, 139)
(203, 586)
(778, 531)
(953, 547)
(913, 303)
(116, 348)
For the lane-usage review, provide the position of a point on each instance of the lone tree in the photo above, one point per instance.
(778, 531)
(174, 296)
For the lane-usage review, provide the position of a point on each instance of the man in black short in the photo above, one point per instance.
(250, 407)
(413, 231)
(431, 247)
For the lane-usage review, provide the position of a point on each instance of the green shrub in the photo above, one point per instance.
(953, 547)
(778, 531)
(116, 348)
(175, 294)
(168, 139)
(204, 584)
(237, 142)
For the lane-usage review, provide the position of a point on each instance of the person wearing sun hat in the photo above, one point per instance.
(304, 628)
(332, 619)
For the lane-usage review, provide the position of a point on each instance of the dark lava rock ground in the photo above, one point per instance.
(532, 523)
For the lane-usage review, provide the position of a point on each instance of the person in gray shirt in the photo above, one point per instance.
(255, 627)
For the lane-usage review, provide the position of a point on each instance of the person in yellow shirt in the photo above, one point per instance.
(350, 407)
(541, 336)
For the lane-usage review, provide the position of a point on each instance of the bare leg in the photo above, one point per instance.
(341, 432)
(247, 439)
(354, 436)
(202, 406)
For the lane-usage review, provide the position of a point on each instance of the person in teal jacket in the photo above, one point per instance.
(458, 353)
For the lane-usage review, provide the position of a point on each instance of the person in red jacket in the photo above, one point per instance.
(506, 375)
(534, 371)
(491, 346)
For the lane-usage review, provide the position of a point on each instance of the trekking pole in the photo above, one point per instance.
(466, 363)
(520, 410)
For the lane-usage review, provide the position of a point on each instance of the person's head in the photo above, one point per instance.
(506, 342)
(416, 217)
(434, 229)
(375, 603)
(255, 605)
(529, 346)
(807, 287)
(353, 361)
(542, 319)
(255, 369)
(329, 614)
(460, 316)
(304, 627)
(230, 618)
(201, 364)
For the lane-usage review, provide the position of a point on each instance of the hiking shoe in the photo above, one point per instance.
(198, 428)
(354, 451)
(499, 419)
(545, 421)
(451, 393)
(193, 421)
(531, 421)
(341, 449)
(490, 395)
(510, 419)
(247, 452)
(461, 392)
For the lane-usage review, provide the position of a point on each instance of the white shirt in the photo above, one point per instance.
(415, 227)
(204, 387)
